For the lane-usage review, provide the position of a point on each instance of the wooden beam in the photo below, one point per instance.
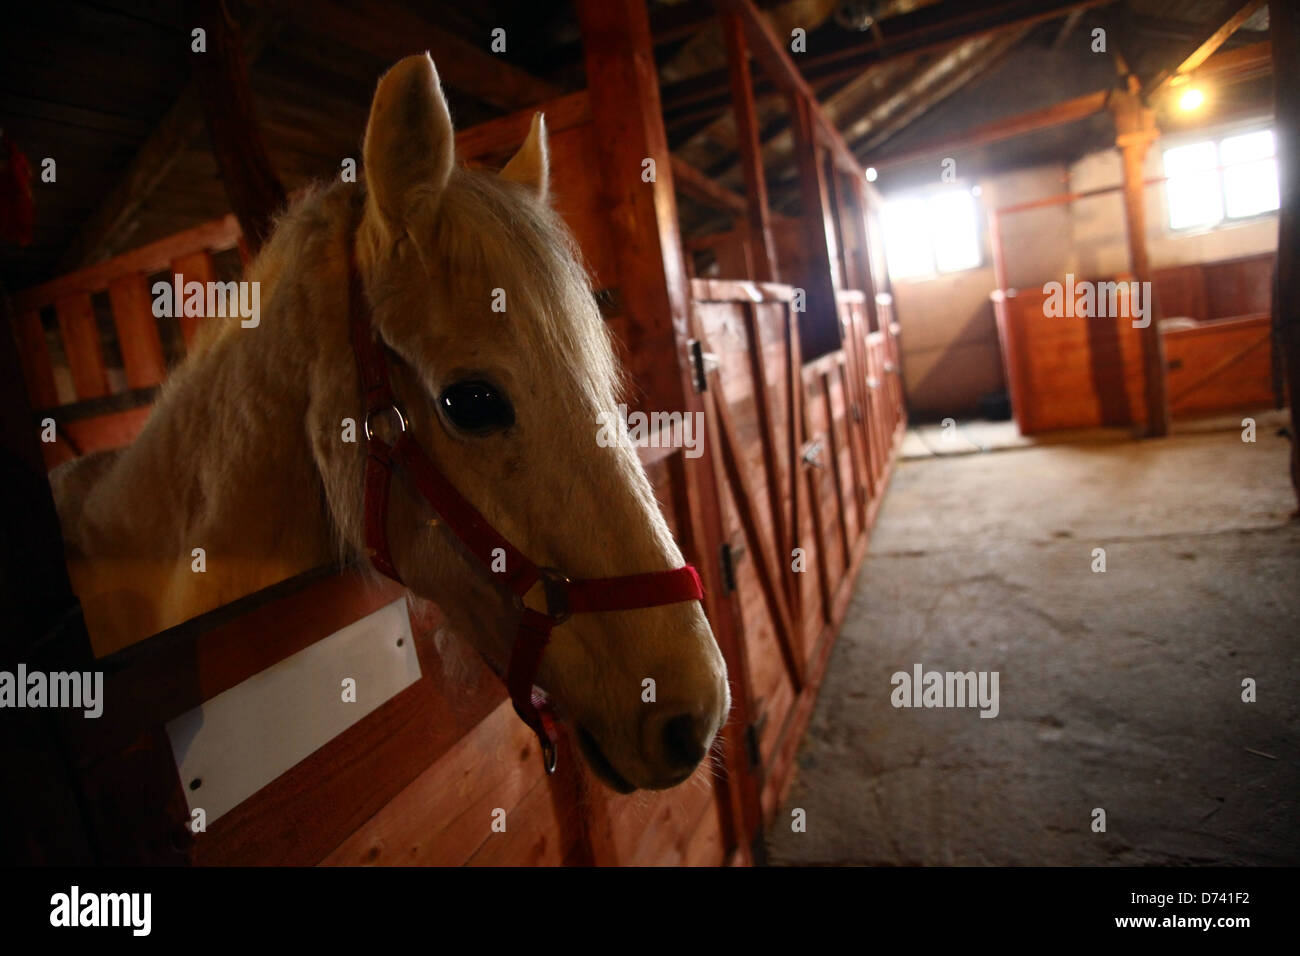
(819, 326)
(1242, 63)
(751, 155)
(221, 76)
(1284, 30)
(107, 231)
(1136, 130)
(771, 53)
(926, 30)
(692, 182)
(1216, 38)
(1067, 111)
(930, 86)
(627, 121)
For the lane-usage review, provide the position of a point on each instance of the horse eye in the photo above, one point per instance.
(476, 407)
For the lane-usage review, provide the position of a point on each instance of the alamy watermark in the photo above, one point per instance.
(195, 299)
(652, 430)
(76, 908)
(74, 690)
(1085, 299)
(946, 689)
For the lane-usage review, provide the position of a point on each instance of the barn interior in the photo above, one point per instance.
(916, 454)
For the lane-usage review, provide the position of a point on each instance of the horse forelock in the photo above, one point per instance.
(487, 233)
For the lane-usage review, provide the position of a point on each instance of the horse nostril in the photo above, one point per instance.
(682, 745)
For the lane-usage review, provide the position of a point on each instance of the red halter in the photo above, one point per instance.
(563, 595)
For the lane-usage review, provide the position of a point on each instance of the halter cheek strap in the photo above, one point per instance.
(563, 595)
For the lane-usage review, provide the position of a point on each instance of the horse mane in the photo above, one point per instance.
(483, 225)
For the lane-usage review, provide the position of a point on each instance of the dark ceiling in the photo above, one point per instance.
(104, 88)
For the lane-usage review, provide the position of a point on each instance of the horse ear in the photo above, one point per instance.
(410, 145)
(531, 166)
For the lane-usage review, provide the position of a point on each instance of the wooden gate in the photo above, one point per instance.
(806, 452)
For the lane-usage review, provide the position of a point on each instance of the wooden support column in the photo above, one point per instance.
(221, 76)
(628, 123)
(43, 630)
(1136, 131)
(1284, 30)
(749, 147)
(819, 326)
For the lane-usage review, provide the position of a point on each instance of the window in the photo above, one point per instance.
(932, 234)
(1213, 181)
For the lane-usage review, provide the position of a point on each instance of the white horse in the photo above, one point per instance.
(245, 454)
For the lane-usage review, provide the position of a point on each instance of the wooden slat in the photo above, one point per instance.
(34, 353)
(504, 135)
(216, 235)
(81, 345)
(841, 506)
(137, 331)
(99, 432)
(815, 512)
(743, 498)
(856, 459)
(766, 430)
(195, 267)
(751, 154)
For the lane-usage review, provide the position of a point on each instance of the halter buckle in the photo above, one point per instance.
(555, 587)
(383, 410)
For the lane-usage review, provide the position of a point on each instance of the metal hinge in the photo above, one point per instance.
(729, 557)
(702, 363)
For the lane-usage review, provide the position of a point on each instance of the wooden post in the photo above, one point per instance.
(44, 630)
(999, 252)
(1284, 31)
(1136, 131)
(628, 123)
(749, 148)
(819, 326)
(221, 76)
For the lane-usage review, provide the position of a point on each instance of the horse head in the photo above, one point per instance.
(504, 369)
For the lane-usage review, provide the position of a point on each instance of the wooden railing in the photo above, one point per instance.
(96, 405)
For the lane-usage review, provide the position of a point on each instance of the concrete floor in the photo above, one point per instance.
(1119, 691)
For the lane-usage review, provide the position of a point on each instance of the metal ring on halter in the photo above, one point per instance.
(383, 410)
(555, 586)
(554, 583)
(550, 758)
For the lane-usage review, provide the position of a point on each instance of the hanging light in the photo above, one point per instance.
(1191, 99)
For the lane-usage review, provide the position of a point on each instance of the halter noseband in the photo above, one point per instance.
(563, 595)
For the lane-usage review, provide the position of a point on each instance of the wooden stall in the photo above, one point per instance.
(775, 514)
(1215, 327)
